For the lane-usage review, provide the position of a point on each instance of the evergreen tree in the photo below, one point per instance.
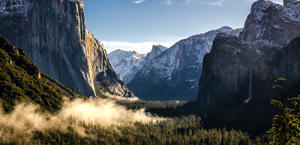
(286, 125)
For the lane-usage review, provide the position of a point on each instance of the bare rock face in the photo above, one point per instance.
(174, 74)
(242, 69)
(289, 3)
(272, 25)
(53, 34)
(235, 88)
(156, 51)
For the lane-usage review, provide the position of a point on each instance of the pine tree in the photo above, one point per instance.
(286, 125)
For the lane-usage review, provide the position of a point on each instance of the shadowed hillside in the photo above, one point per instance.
(21, 80)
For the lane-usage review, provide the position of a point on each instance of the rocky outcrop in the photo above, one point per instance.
(53, 34)
(235, 88)
(271, 25)
(156, 51)
(174, 73)
(257, 55)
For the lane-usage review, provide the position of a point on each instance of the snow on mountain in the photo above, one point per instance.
(245, 67)
(174, 73)
(156, 50)
(291, 10)
(269, 20)
(15, 7)
(128, 63)
(125, 63)
(197, 45)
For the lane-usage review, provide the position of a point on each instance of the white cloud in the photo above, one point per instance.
(188, 2)
(219, 3)
(169, 2)
(138, 1)
(140, 47)
(252, 1)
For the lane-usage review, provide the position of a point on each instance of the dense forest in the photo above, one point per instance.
(185, 130)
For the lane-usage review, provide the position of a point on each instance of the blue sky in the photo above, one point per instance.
(138, 24)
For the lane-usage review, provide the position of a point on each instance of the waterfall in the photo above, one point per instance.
(250, 86)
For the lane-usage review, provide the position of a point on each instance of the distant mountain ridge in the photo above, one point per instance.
(124, 62)
(127, 64)
(175, 72)
(53, 34)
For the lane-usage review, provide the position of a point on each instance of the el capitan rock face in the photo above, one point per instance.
(53, 34)
(242, 69)
(174, 74)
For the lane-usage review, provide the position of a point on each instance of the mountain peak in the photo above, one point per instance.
(271, 24)
(225, 29)
(176, 70)
(156, 50)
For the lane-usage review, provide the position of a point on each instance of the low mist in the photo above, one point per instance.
(25, 119)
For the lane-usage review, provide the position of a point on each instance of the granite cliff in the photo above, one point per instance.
(242, 69)
(53, 34)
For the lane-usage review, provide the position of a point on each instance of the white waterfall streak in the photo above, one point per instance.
(250, 87)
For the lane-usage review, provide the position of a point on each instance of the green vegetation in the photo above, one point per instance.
(149, 105)
(286, 125)
(185, 130)
(22, 81)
